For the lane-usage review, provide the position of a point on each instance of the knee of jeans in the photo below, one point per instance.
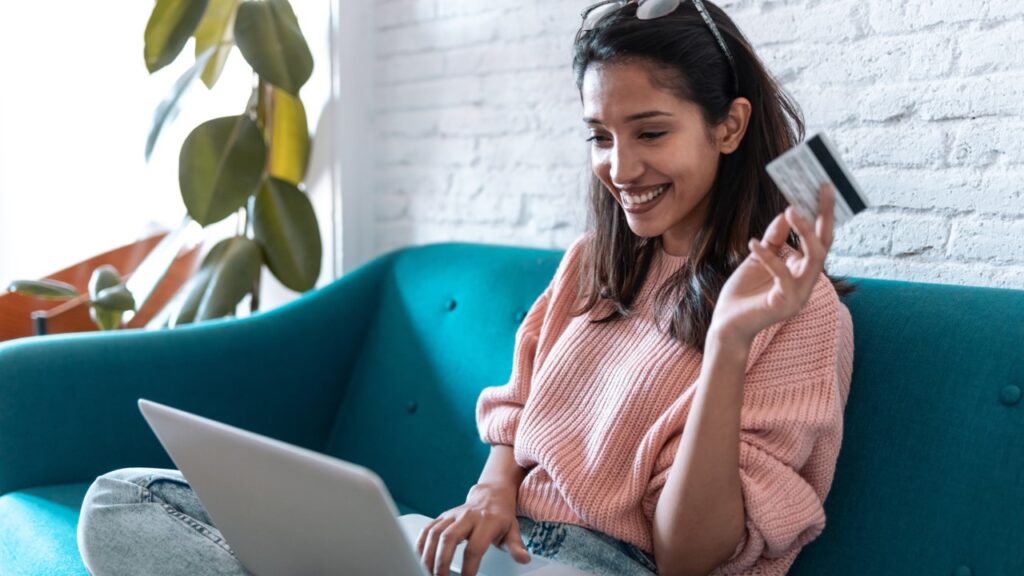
(107, 494)
(121, 486)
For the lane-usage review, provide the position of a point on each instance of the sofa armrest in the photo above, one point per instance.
(68, 404)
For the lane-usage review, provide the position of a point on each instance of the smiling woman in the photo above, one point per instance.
(690, 355)
(663, 156)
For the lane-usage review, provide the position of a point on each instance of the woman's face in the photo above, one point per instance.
(651, 150)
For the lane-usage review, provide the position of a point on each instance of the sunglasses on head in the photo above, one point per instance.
(651, 9)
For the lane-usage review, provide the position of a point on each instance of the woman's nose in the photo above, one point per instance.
(626, 166)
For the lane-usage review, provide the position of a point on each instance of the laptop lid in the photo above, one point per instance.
(283, 509)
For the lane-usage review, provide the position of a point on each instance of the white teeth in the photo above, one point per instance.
(634, 199)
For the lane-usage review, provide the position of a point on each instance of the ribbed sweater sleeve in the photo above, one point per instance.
(498, 407)
(790, 432)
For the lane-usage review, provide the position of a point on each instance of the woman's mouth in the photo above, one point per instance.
(644, 201)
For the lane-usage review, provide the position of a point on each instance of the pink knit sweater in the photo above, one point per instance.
(596, 412)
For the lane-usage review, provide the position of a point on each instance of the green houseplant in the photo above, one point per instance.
(251, 165)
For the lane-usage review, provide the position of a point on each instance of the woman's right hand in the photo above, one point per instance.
(488, 517)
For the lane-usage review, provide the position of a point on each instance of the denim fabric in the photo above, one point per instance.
(585, 549)
(149, 521)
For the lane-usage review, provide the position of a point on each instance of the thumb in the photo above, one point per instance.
(514, 544)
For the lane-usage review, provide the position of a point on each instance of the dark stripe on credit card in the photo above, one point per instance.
(836, 173)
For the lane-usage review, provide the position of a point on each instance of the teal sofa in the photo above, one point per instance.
(383, 368)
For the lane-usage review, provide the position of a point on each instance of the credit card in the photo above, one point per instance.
(801, 170)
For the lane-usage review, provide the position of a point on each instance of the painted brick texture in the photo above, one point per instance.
(478, 134)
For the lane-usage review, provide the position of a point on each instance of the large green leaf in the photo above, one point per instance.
(268, 36)
(289, 137)
(221, 165)
(45, 289)
(169, 106)
(170, 25)
(286, 228)
(227, 274)
(216, 31)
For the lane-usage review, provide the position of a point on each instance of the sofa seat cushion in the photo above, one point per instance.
(37, 535)
(38, 532)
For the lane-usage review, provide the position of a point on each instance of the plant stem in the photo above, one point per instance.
(264, 119)
(254, 302)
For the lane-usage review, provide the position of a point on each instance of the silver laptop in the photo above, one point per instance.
(286, 510)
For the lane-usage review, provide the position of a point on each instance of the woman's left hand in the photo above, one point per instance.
(764, 289)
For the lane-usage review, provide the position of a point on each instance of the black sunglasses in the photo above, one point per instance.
(651, 9)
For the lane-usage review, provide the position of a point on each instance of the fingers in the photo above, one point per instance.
(440, 539)
(479, 541)
(514, 544)
(422, 540)
(431, 536)
(798, 273)
(449, 539)
(825, 222)
(773, 263)
(810, 244)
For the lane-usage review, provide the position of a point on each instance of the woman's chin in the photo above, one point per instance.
(644, 229)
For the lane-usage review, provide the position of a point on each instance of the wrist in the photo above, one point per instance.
(506, 489)
(724, 364)
(722, 345)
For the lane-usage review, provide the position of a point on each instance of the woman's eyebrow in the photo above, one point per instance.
(632, 117)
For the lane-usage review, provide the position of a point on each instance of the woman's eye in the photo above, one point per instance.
(643, 136)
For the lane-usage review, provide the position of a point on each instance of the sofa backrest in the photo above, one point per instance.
(930, 478)
(445, 330)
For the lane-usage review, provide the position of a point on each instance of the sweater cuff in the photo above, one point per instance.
(783, 511)
(499, 426)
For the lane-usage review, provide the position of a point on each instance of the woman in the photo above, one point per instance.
(619, 445)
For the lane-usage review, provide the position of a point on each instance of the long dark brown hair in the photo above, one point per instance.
(683, 58)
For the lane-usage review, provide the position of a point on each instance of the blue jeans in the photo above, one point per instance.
(149, 521)
(586, 549)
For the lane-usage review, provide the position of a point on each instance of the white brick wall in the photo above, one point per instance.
(478, 136)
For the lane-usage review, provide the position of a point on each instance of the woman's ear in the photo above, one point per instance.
(732, 129)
